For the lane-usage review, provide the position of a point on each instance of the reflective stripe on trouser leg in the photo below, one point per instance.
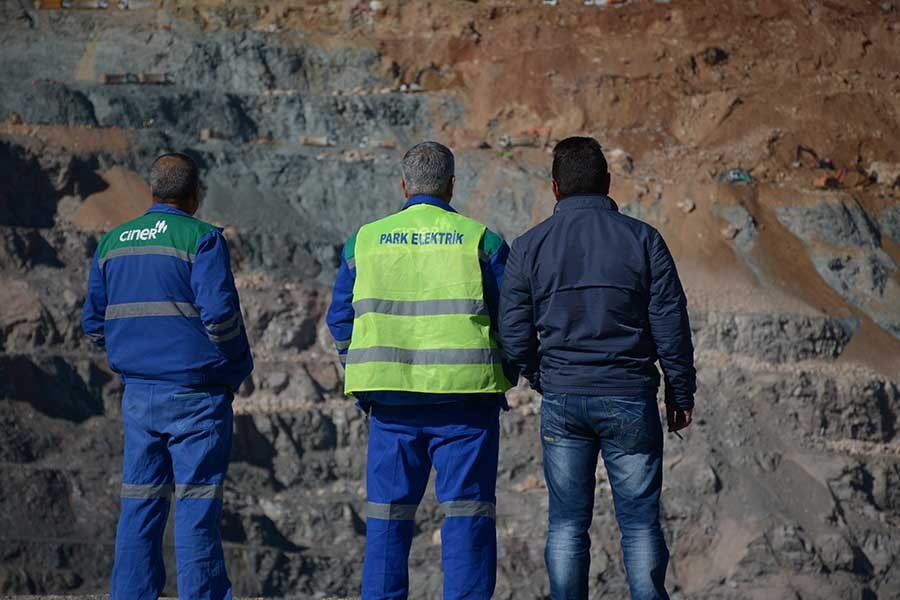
(468, 508)
(146, 491)
(204, 491)
(391, 512)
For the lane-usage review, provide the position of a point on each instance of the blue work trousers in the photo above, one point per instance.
(461, 441)
(628, 432)
(177, 440)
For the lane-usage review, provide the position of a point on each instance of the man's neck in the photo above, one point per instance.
(174, 205)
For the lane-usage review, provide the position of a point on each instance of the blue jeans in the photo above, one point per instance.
(461, 441)
(627, 430)
(177, 442)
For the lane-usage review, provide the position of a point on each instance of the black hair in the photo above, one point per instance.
(174, 177)
(579, 167)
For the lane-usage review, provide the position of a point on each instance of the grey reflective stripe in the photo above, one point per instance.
(146, 491)
(469, 508)
(220, 339)
(391, 512)
(443, 356)
(95, 336)
(144, 250)
(223, 326)
(151, 309)
(206, 491)
(419, 308)
(341, 344)
(351, 262)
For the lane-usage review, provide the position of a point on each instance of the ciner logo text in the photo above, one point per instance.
(144, 234)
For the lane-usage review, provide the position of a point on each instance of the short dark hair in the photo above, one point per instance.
(579, 167)
(174, 177)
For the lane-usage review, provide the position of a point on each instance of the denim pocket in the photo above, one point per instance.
(553, 418)
(638, 425)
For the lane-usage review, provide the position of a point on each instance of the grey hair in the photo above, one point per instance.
(428, 168)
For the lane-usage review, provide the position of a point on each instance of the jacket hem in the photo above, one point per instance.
(601, 390)
(364, 401)
(357, 392)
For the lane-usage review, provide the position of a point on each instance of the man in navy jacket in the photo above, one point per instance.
(590, 301)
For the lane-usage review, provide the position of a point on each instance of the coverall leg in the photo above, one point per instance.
(397, 471)
(182, 436)
(462, 441)
(200, 430)
(139, 572)
(464, 449)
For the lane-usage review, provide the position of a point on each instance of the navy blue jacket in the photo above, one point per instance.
(590, 300)
(161, 299)
(494, 252)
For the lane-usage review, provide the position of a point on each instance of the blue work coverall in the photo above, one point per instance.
(170, 321)
(411, 432)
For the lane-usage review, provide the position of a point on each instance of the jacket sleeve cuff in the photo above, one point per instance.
(682, 402)
(534, 380)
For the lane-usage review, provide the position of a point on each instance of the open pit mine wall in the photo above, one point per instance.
(788, 486)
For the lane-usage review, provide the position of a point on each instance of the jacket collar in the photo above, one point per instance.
(159, 207)
(576, 201)
(429, 200)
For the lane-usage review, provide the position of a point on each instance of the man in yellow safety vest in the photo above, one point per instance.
(413, 315)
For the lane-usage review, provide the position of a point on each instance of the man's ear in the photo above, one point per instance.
(606, 183)
(195, 201)
(555, 187)
(403, 186)
(450, 187)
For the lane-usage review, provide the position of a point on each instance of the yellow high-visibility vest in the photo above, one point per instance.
(421, 323)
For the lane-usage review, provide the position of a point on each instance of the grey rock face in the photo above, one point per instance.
(43, 101)
(774, 338)
(890, 222)
(25, 179)
(851, 259)
(842, 223)
(743, 226)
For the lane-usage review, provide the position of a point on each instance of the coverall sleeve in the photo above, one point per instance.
(518, 332)
(340, 313)
(670, 326)
(217, 299)
(93, 318)
(494, 252)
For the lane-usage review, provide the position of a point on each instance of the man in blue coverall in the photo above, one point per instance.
(413, 315)
(161, 299)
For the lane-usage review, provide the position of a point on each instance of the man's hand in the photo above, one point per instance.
(678, 418)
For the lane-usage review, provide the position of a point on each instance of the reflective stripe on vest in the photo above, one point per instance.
(421, 323)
